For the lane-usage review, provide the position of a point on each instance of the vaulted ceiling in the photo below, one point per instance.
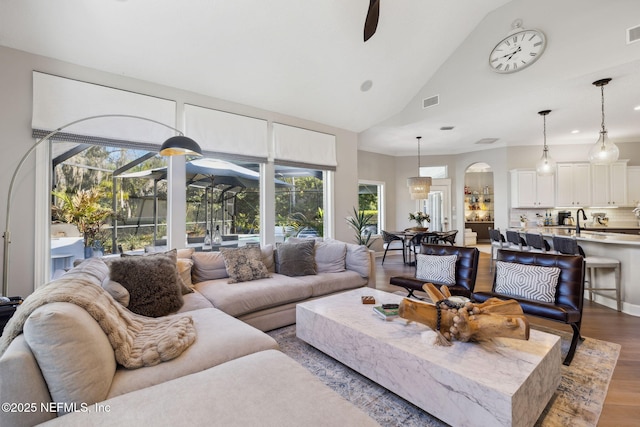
(309, 60)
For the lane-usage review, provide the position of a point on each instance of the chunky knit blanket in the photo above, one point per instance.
(136, 340)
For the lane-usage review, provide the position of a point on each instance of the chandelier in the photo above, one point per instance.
(419, 186)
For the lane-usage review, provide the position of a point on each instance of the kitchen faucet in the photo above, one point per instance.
(584, 217)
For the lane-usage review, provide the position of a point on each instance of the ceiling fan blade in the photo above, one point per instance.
(371, 22)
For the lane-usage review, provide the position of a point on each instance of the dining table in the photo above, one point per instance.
(408, 234)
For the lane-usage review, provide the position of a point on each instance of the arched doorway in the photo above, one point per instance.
(478, 202)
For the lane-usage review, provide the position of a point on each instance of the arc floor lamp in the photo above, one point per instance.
(174, 146)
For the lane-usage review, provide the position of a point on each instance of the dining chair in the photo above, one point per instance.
(392, 242)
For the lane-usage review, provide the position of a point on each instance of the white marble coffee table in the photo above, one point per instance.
(505, 382)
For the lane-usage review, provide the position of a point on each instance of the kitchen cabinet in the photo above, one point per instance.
(633, 185)
(529, 190)
(609, 185)
(573, 185)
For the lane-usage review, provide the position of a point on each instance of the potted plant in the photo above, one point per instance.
(83, 209)
(523, 221)
(420, 218)
(359, 222)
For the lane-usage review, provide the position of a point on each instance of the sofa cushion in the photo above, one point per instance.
(152, 282)
(221, 338)
(184, 271)
(244, 264)
(262, 389)
(185, 253)
(194, 301)
(331, 257)
(207, 266)
(74, 354)
(117, 291)
(22, 382)
(328, 283)
(267, 258)
(436, 268)
(532, 282)
(254, 295)
(296, 259)
(358, 259)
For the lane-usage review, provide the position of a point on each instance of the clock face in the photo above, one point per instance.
(517, 51)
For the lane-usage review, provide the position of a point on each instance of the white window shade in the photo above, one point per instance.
(58, 101)
(302, 147)
(226, 134)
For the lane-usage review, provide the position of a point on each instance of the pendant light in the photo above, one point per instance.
(546, 165)
(603, 152)
(419, 186)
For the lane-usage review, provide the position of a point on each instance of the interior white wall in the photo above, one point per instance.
(15, 122)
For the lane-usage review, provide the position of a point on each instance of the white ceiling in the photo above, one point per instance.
(308, 60)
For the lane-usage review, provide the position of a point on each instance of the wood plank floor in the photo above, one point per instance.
(622, 405)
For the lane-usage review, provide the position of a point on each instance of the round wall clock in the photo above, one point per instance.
(517, 51)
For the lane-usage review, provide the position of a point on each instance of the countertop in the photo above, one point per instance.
(587, 236)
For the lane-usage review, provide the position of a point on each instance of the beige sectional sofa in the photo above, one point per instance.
(232, 374)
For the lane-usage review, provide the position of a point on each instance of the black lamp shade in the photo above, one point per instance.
(180, 146)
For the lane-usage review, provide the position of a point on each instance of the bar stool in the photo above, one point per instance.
(497, 242)
(537, 242)
(569, 246)
(516, 243)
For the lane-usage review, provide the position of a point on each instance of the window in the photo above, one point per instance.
(126, 186)
(299, 202)
(223, 196)
(370, 199)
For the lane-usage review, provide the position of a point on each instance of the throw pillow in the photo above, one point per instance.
(73, 353)
(296, 259)
(331, 257)
(184, 271)
(358, 259)
(117, 291)
(438, 269)
(173, 256)
(533, 282)
(152, 282)
(244, 264)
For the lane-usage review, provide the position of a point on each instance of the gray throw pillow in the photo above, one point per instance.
(185, 288)
(296, 259)
(152, 282)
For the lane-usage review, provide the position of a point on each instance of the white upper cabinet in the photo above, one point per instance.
(573, 185)
(528, 190)
(633, 185)
(609, 185)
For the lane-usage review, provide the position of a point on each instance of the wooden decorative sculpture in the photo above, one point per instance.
(466, 321)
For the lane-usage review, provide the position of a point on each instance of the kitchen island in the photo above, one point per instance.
(624, 247)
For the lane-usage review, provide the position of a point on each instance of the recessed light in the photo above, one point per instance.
(575, 131)
(637, 108)
(366, 85)
(446, 128)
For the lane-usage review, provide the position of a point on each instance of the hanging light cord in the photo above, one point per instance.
(602, 104)
(544, 133)
(419, 137)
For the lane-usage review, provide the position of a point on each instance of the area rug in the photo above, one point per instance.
(577, 402)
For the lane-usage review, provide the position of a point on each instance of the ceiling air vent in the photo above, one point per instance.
(486, 141)
(431, 101)
(633, 34)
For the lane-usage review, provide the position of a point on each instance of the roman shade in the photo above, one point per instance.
(294, 146)
(58, 101)
(226, 135)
